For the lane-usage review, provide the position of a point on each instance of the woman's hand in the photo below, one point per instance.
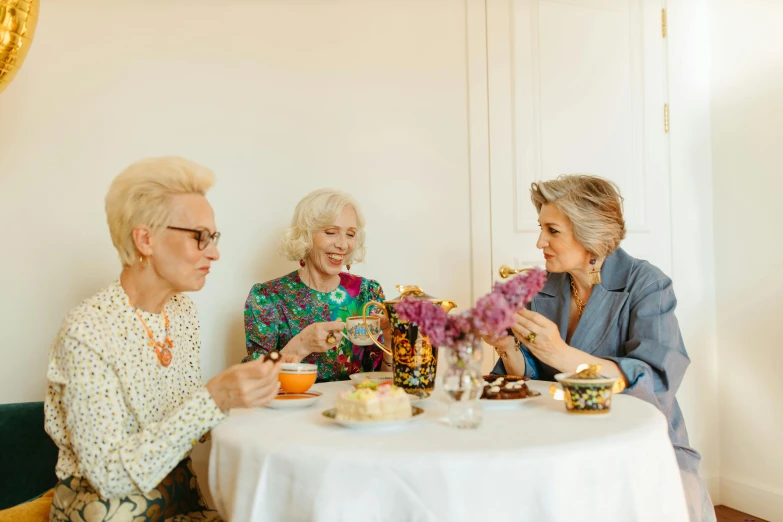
(249, 385)
(503, 345)
(539, 334)
(385, 326)
(506, 347)
(387, 340)
(289, 358)
(316, 338)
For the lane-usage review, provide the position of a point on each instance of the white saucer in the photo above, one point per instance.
(372, 425)
(415, 398)
(504, 404)
(285, 401)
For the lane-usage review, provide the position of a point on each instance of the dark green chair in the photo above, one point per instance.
(27, 454)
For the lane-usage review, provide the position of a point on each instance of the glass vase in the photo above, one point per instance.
(463, 383)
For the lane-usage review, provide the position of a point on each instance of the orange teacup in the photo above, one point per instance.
(297, 377)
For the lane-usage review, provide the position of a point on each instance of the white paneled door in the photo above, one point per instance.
(576, 86)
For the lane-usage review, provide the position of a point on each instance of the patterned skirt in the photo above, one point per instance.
(176, 499)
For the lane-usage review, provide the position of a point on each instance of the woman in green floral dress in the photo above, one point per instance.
(302, 314)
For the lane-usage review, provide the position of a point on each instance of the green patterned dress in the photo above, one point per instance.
(278, 310)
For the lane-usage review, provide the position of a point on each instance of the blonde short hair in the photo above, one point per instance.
(140, 194)
(318, 211)
(594, 206)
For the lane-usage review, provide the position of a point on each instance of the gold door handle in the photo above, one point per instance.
(506, 271)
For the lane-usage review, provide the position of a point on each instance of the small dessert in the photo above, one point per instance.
(504, 387)
(513, 390)
(273, 356)
(368, 384)
(388, 403)
(589, 373)
(491, 392)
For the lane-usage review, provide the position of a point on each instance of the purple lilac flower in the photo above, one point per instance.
(521, 289)
(492, 315)
(430, 318)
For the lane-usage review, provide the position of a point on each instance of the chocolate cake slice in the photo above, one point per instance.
(505, 387)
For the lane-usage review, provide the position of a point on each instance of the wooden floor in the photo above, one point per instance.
(726, 514)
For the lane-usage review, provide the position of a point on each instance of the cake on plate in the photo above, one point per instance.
(504, 387)
(387, 403)
(366, 383)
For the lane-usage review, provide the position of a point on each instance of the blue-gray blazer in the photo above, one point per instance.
(630, 320)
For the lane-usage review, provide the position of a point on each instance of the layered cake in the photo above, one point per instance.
(367, 383)
(503, 387)
(364, 404)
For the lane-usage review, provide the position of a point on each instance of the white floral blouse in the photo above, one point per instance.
(121, 419)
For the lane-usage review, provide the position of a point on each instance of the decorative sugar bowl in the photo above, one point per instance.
(587, 391)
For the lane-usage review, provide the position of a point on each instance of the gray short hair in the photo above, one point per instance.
(318, 211)
(594, 206)
(140, 195)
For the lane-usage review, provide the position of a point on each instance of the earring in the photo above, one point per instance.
(144, 262)
(301, 263)
(595, 274)
(348, 267)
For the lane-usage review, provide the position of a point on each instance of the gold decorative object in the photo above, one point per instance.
(18, 19)
(506, 271)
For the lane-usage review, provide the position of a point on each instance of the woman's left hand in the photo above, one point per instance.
(387, 337)
(385, 328)
(539, 334)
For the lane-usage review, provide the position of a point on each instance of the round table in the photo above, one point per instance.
(533, 462)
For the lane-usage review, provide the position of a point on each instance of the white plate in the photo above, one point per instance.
(286, 401)
(376, 377)
(372, 425)
(415, 398)
(503, 404)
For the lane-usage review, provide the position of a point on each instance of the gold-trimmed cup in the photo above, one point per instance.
(361, 333)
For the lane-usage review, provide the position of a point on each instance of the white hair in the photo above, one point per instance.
(318, 211)
(594, 206)
(140, 195)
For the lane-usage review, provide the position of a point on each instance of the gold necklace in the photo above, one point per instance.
(579, 304)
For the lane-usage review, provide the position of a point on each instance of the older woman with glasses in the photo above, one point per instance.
(125, 402)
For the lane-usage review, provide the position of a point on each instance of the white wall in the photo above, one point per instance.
(747, 118)
(369, 97)
(279, 98)
(693, 264)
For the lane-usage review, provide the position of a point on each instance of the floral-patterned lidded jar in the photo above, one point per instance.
(587, 391)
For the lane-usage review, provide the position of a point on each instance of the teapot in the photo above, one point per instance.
(414, 359)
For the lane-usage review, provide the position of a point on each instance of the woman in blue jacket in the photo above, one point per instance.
(601, 306)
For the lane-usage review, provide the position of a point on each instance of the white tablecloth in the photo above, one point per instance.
(535, 462)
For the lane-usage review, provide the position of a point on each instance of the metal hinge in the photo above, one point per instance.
(663, 23)
(665, 117)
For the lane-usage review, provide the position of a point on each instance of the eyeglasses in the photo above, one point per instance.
(204, 237)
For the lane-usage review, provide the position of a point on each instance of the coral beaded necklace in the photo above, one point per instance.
(162, 349)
